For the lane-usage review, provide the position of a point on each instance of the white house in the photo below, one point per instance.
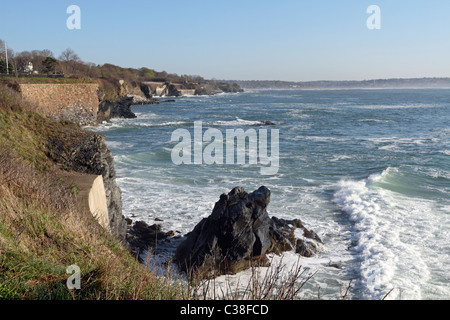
(29, 68)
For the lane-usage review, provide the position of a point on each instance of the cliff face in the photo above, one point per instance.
(93, 103)
(86, 152)
(92, 156)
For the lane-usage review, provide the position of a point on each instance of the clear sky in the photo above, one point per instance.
(297, 40)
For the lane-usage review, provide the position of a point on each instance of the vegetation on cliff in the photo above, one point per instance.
(43, 231)
(115, 82)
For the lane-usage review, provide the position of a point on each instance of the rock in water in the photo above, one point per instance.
(238, 231)
(142, 237)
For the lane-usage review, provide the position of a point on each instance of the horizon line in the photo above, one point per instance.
(323, 80)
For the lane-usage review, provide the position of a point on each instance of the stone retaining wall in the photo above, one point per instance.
(74, 102)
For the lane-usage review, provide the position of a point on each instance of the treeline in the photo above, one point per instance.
(44, 63)
(68, 63)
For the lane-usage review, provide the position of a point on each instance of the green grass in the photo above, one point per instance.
(42, 229)
(44, 80)
(42, 233)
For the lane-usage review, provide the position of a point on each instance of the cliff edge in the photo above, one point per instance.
(86, 152)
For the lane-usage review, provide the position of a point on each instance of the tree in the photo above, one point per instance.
(23, 60)
(146, 73)
(69, 55)
(3, 67)
(49, 65)
(93, 70)
(69, 58)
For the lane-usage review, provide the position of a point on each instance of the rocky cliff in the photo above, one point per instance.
(86, 152)
(92, 101)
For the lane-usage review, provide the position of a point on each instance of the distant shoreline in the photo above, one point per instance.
(395, 83)
(350, 88)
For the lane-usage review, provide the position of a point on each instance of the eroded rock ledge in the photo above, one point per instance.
(86, 152)
(240, 230)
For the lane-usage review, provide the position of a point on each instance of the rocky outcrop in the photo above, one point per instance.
(122, 108)
(238, 231)
(85, 152)
(92, 156)
(141, 237)
(214, 87)
(208, 87)
(157, 88)
(119, 109)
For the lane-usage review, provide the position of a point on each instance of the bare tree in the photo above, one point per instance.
(93, 70)
(69, 57)
(23, 60)
(47, 53)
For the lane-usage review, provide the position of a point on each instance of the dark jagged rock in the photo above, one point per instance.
(265, 123)
(238, 231)
(108, 110)
(119, 109)
(142, 237)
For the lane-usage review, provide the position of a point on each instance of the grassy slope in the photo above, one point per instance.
(41, 230)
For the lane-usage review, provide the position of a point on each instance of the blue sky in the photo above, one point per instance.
(295, 40)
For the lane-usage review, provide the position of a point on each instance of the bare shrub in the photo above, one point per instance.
(276, 282)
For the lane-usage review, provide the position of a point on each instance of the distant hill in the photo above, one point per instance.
(365, 84)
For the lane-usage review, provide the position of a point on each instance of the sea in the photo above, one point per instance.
(367, 170)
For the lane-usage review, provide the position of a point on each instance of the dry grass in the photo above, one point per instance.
(42, 233)
(11, 100)
(42, 230)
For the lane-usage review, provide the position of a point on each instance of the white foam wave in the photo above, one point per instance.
(340, 157)
(374, 120)
(238, 122)
(381, 239)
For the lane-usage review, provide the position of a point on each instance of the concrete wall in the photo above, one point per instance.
(91, 195)
(97, 202)
(75, 102)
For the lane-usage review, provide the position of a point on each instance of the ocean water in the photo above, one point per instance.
(368, 170)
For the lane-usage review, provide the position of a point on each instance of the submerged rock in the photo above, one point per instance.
(118, 109)
(267, 123)
(239, 231)
(142, 237)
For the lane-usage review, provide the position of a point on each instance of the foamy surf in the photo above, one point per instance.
(238, 122)
(384, 240)
(384, 231)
